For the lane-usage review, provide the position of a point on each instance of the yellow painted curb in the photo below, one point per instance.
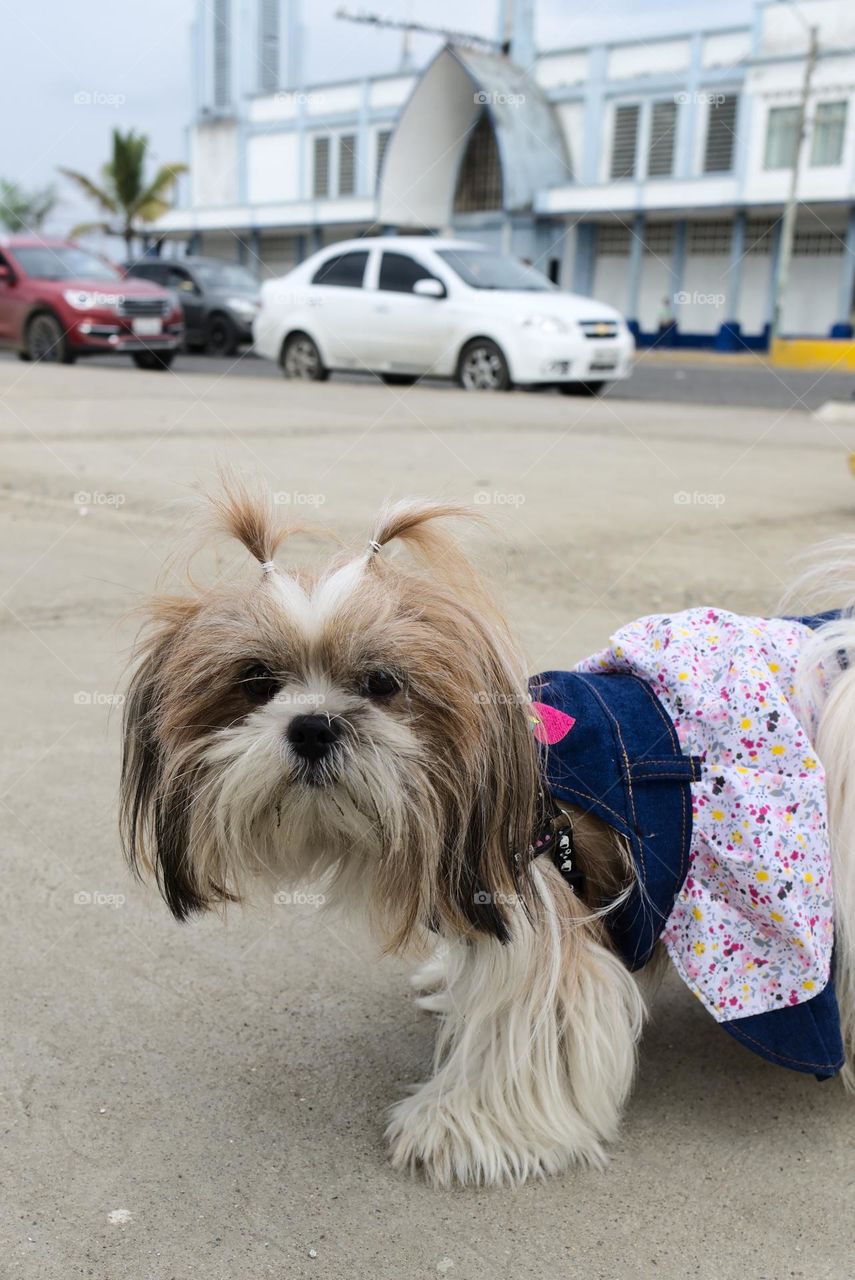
(814, 353)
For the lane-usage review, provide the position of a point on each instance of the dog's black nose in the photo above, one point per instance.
(312, 737)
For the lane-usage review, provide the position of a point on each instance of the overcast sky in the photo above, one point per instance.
(132, 57)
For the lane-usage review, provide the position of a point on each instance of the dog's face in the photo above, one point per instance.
(365, 727)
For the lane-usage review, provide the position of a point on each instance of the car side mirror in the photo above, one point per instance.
(7, 275)
(430, 287)
(187, 286)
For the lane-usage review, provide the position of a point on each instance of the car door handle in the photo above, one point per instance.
(381, 307)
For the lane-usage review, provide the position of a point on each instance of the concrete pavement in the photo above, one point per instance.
(207, 1101)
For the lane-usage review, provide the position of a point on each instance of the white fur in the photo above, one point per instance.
(294, 599)
(431, 981)
(534, 1058)
(331, 592)
(828, 694)
(313, 611)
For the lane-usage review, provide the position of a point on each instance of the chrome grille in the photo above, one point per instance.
(598, 329)
(143, 307)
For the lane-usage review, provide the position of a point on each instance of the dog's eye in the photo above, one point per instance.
(380, 684)
(258, 683)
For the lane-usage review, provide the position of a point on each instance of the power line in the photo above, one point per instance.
(419, 28)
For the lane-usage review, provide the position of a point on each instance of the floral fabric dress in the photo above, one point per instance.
(751, 930)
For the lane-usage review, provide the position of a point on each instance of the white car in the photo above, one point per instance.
(408, 306)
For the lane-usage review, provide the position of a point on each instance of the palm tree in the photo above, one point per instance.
(123, 192)
(22, 210)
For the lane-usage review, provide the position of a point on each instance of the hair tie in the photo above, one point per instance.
(375, 546)
(267, 566)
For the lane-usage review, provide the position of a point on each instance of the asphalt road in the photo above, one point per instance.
(691, 379)
(206, 1102)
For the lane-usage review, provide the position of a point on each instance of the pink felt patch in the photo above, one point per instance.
(550, 724)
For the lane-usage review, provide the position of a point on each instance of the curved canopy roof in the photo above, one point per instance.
(425, 151)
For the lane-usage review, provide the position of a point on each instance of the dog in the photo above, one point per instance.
(540, 844)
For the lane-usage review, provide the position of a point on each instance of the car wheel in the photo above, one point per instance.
(46, 342)
(399, 379)
(581, 388)
(220, 336)
(153, 359)
(301, 359)
(483, 367)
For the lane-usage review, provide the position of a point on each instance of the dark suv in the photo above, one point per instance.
(220, 299)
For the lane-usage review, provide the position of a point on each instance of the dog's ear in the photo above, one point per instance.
(496, 796)
(156, 791)
(487, 765)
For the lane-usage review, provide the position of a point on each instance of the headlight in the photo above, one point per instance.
(84, 300)
(545, 324)
(243, 306)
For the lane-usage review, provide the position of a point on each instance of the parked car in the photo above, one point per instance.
(59, 301)
(408, 306)
(220, 299)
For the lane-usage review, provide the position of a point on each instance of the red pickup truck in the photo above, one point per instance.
(59, 301)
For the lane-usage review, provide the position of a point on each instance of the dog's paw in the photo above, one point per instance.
(432, 974)
(430, 980)
(434, 1002)
(455, 1142)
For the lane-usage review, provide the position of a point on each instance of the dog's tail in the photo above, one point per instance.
(827, 696)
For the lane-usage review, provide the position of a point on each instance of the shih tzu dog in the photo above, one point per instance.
(372, 730)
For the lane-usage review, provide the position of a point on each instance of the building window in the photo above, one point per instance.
(709, 237)
(721, 134)
(782, 138)
(268, 46)
(624, 141)
(381, 143)
(829, 128)
(760, 234)
(658, 239)
(817, 244)
(321, 180)
(663, 128)
(479, 179)
(613, 241)
(222, 52)
(347, 164)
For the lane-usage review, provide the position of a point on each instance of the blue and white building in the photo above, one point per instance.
(651, 173)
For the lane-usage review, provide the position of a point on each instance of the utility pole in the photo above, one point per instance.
(506, 21)
(788, 224)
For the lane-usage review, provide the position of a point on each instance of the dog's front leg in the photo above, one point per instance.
(535, 1054)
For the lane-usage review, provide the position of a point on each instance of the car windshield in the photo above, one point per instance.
(44, 262)
(481, 269)
(226, 275)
